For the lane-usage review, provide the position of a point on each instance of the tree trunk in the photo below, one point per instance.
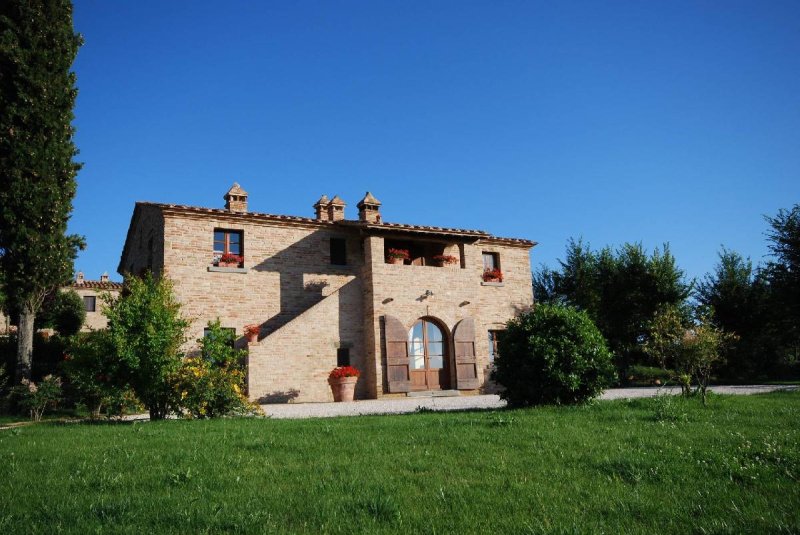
(25, 343)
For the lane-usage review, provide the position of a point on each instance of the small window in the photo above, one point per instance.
(491, 261)
(343, 356)
(493, 339)
(228, 242)
(338, 251)
(89, 303)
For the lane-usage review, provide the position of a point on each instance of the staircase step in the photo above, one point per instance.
(434, 394)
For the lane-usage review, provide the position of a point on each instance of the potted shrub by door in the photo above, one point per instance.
(343, 382)
(252, 331)
(397, 256)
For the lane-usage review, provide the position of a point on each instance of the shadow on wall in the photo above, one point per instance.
(296, 296)
(279, 397)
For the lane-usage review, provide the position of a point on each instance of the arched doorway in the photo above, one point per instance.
(427, 354)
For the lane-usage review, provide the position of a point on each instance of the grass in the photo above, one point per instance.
(639, 466)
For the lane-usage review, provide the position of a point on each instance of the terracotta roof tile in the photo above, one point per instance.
(98, 285)
(480, 234)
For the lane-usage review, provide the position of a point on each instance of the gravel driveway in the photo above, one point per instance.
(406, 405)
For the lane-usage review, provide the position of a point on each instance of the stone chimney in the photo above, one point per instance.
(104, 277)
(336, 209)
(321, 208)
(79, 277)
(369, 209)
(236, 199)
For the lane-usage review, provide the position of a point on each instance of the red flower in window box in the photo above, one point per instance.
(230, 260)
(492, 275)
(343, 382)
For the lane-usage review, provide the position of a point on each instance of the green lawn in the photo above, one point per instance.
(610, 467)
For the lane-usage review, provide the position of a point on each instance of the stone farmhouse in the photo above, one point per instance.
(326, 291)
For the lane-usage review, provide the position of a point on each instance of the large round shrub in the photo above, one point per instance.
(552, 354)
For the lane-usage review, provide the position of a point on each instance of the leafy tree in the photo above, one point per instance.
(552, 354)
(63, 311)
(147, 331)
(665, 338)
(37, 171)
(620, 291)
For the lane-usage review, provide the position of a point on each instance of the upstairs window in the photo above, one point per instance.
(89, 303)
(338, 251)
(491, 261)
(227, 243)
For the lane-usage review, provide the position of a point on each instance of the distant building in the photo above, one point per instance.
(325, 291)
(91, 292)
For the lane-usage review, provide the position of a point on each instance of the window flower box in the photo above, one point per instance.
(229, 260)
(492, 275)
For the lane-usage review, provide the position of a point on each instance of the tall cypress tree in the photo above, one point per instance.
(37, 171)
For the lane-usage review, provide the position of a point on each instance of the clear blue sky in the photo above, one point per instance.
(656, 122)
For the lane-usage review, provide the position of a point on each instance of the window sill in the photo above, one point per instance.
(484, 283)
(218, 269)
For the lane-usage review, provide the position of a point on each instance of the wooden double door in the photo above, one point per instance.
(427, 353)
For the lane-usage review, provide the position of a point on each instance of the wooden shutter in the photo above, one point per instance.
(466, 363)
(397, 363)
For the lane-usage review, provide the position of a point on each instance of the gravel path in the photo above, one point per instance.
(406, 405)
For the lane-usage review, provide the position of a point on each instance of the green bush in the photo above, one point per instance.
(38, 398)
(63, 311)
(95, 374)
(212, 384)
(552, 354)
(147, 331)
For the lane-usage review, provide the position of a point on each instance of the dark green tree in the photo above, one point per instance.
(783, 274)
(37, 170)
(620, 291)
(738, 296)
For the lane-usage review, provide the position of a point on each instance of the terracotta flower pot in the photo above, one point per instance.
(343, 388)
(252, 338)
(228, 264)
(395, 260)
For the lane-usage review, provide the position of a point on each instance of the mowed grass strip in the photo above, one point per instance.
(652, 465)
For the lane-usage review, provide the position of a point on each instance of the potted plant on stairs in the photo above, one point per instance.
(252, 331)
